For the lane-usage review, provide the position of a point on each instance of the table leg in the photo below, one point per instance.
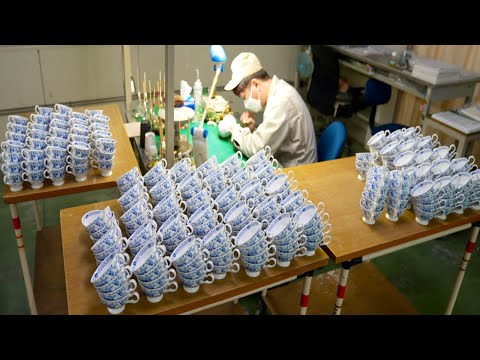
(462, 147)
(23, 258)
(342, 286)
(463, 268)
(36, 210)
(305, 293)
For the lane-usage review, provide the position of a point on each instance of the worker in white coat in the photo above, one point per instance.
(287, 126)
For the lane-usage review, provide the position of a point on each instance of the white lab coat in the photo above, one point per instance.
(287, 128)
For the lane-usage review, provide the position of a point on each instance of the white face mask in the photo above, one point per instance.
(253, 104)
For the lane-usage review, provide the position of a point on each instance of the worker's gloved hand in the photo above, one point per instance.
(226, 126)
(247, 120)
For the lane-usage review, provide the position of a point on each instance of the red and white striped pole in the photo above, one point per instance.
(23, 258)
(342, 287)
(305, 293)
(463, 268)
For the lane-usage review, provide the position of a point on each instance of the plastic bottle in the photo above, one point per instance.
(197, 95)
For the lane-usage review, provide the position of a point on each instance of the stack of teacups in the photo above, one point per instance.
(216, 181)
(450, 199)
(191, 260)
(153, 271)
(256, 251)
(388, 154)
(295, 200)
(79, 153)
(462, 164)
(405, 159)
(103, 146)
(377, 142)
(398, 192)
(463, 185)
(288, 238)
(427, 202)
(136, 215)
(157, 173)
(207, 167)
(222, 251)
(129, 179)
(475, 189)
(181, 169)
(37, 134)
(99, 222)
(112, 280)
(200, 199)
(143, 234)
(12, 152)
(204, 219)
(363, 162)
(253, 190)
(313, 220)
(244, 175)
(132, 196)
(268, 209)
(233, 163)
(190, 185)
(111, 242)
(444, 152)
(240, 215)
(427, 142)
(374, 193)
(164, 186)
(227, 198)
(55, 164)
(265, 170)
(282, 185)
(171, 204)
(174, 231)
(262, 159)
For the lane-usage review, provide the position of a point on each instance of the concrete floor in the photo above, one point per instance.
(423, 274)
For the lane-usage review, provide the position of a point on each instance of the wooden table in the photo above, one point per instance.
(82, 298)
(353, 241)
(124, 161)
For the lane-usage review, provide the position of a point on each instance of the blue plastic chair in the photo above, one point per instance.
(378, 93)
(331, 142)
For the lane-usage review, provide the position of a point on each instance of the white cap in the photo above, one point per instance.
(245, 64)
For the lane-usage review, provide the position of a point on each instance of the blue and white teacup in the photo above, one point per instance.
(91, 113)
(73, 161)
(17, 119)
(137, 209)
(73, 138)
(13, 168)
(62, 117)
(125, 181)
(164, 278)
(295, 200)
(97, 126)
(14, 157)
(32, 166)
(79, 171)
(35, 144)
(106, 145)
(132, 225)
(14, 181)
(192, 285)
(40, 119)
(219, 272)
(13, 136)
(107, 240)
(36, 126)
(117, 306)
(253, 270)
(34, 178)
(56, 142)
(56, 175)
(109, 269)
(78, 115)
(53, 152)
(233, 163)
(116, 282)
(59, 124)
(181, 169)
(57, 132)
(260, 156)
(95, 219)
(160, 268)
(186, 251)
(173, 225)
(148, 257)
(10, 146)
(19, 129)
(207, 167)
(33, 155)
(79, 149)
(105, 166)
(62, 109)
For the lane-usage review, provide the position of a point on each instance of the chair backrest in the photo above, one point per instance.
(376, 93)
(331, 142)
